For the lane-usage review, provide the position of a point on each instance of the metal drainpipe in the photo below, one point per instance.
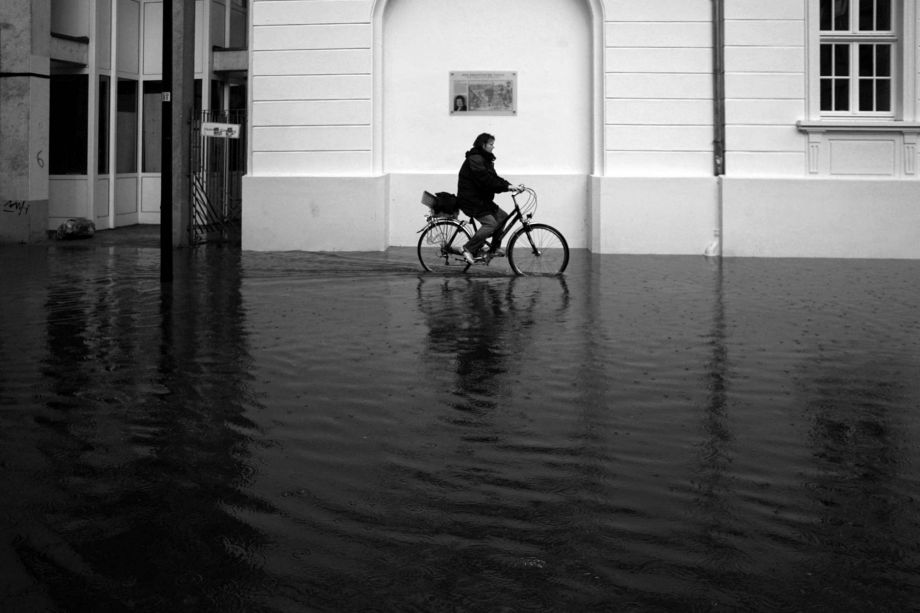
(718, 120)
(718, 86)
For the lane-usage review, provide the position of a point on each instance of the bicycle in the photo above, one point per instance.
(533, 249)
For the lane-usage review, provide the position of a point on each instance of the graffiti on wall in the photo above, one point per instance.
(19, 207)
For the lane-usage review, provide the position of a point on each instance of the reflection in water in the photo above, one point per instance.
(146, 396)
(483, 334)
(716, 492)
(857, 442)
(715, 454)
(302, 432)
(483, 326)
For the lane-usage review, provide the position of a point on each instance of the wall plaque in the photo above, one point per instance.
(483, 93)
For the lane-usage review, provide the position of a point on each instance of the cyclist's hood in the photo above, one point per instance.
(482, 152)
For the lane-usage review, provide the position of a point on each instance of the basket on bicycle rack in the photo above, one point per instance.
(439, 207)
(527, 202)
(429, 199)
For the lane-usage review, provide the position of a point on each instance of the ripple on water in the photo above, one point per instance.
(340, 432)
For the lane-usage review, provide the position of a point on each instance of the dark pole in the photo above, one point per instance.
(718, 85)
(166, 162)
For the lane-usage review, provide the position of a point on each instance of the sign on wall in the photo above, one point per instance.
(220, 130)
(483, 93)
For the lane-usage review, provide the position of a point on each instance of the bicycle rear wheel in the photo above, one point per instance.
(440, 244)
(538, 249)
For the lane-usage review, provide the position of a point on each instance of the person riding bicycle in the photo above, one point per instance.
(477, 184)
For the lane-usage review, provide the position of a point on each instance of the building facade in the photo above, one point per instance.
(80, 105)
(736, 127)
(747, 128)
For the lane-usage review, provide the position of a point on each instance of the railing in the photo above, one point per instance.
(218, 160)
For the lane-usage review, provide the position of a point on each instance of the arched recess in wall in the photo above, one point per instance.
(554, 46)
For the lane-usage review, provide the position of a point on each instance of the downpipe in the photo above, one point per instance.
(714, 250)
(718, 120)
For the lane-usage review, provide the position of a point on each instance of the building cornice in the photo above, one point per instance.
(873, 127)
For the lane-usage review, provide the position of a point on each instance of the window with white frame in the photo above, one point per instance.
(859, 51)
(862, 84)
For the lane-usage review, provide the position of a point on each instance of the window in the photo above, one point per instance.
(102, 126)
(153, 126)
(862, 102)
(858, 53)
(126, 127)
(196, 97)
(862, 63)
(68, 126)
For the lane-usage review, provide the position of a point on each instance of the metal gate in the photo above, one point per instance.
(218, 152)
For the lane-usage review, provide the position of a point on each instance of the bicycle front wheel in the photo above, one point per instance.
(440, 244)
(538, 249)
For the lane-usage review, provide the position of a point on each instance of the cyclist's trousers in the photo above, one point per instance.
(490, 224)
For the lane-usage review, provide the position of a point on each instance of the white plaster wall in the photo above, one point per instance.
(658, 195)
(546, 144)
(311, 86)
(562, 202)
(658, 88)
(314, 109)
(548, 44)
(833, 218)
(765, 76)
(654, 216)
(314, 213)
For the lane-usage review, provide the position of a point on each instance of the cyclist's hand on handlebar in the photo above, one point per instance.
(517, 189)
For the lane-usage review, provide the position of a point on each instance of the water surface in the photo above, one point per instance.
(340, 432)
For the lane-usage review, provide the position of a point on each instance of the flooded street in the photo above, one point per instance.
(340, 432)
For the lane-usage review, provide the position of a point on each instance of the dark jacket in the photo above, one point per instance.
(478, 183)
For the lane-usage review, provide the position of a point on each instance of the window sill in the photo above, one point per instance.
(864, 126)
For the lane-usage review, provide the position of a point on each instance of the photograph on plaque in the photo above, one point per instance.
(483, 93)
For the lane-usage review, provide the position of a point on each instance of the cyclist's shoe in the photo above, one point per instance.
(468, 257)
(497, 253)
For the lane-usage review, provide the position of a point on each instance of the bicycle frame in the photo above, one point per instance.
(516, 216)
(440, 246)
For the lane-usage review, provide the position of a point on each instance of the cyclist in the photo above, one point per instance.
(477, 185)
